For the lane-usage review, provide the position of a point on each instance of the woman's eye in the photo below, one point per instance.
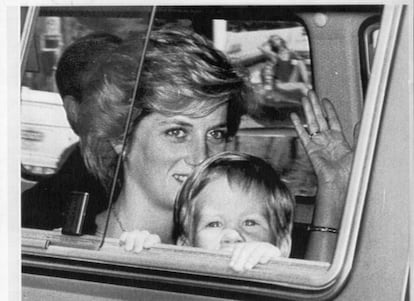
(176, 133)
(213, 225)
(218, 135)
(250, 223)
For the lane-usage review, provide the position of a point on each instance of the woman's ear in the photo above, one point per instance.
(285, 246)
(183, 241)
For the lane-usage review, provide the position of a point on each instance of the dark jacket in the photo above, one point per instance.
(44, 205)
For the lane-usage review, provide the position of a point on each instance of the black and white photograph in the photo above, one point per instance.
(240, 151)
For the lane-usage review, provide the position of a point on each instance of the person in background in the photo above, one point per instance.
(44, 205)
(286, 71)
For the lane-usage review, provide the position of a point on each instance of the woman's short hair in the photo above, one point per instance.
(247, 172)
(182, 74)
(76, 58)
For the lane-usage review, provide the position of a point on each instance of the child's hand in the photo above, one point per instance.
(137, 240)
(247, 255)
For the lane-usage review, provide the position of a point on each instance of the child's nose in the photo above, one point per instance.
(231, 236)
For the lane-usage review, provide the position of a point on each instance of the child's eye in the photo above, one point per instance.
(214, 225)
(250, 223)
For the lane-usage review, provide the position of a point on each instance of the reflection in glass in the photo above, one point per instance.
(277, 57)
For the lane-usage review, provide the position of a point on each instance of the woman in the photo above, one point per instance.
(189, 103)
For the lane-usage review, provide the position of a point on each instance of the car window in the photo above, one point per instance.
(265, 131)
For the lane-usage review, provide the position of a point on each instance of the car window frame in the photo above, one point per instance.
(322, 280)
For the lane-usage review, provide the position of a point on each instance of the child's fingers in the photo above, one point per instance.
(238, 263)
(265, 258)
(236, 251)
(129, 241)
(254, 258)
(123, 238)
(151, 240)
(139, 240)
(270, 253)
(247, 255)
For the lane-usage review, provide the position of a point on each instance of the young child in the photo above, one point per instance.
(234, 203)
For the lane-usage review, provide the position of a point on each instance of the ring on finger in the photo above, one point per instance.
(311, 135)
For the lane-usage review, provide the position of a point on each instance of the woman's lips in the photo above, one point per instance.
(180, 177)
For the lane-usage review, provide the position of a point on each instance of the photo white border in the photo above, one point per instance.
(10, 125)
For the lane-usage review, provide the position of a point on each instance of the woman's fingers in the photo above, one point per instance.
(313, 125)
(318, 111)
(302, 133)
(316, 114)
(320, 117)
(332, 115)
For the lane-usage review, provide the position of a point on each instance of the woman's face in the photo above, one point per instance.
(165, 150)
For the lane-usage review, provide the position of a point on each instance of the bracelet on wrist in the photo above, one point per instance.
(311, 228)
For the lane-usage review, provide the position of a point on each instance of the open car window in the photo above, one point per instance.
(266, 132)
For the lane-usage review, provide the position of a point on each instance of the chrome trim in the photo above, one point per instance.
(27, 34)
(361, 167)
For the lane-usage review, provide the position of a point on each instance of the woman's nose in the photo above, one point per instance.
(231, 236)
(197, 152)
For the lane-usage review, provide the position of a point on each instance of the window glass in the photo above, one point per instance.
(277, 57)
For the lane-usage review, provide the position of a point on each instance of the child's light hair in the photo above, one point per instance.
(247, 172)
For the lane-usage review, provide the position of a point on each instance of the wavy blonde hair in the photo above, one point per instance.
(182, 74)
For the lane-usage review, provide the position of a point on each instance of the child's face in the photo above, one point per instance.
(226, 215)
